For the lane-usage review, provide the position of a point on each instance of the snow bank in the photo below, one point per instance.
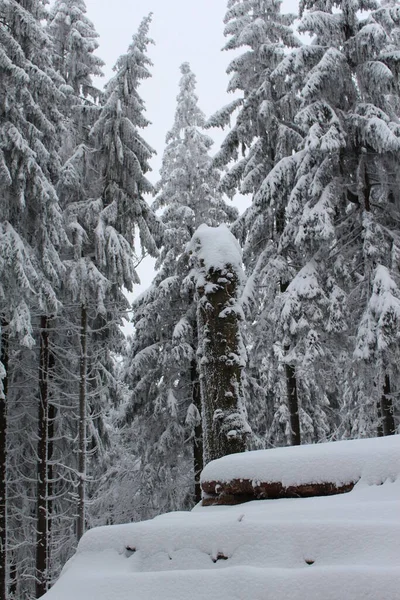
(372, 460)
(343, 547)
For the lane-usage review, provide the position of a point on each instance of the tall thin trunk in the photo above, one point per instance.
(388, 424)
(42, 547)
(4, 357)
(379, 429)
(293, 403)
(198, 431)
(52, 412)
(293, 399)
(80, 529)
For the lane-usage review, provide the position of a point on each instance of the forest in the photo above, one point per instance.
(278, 326)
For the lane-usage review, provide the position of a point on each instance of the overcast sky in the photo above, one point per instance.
(183, 30)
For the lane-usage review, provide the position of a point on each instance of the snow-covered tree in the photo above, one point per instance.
(342, 206)
(265, 132)
(163, 370)
(32, 232)
(102, 186)
(74, 42)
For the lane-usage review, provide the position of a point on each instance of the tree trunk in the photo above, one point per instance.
(80, 529)
(42, 548)
(224, 428)
(293, 400)
(198, 432)
(388, 425)
(4, 357)
(52, 412)
(293, 403)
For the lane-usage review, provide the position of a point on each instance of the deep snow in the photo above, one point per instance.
(344, 547)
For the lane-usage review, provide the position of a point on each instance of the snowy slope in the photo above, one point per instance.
(344, 547)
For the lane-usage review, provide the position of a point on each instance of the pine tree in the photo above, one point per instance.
(351, 131)
(74, 42)
(31, 223)
(103, 214)
(162, 370)
(267, 136)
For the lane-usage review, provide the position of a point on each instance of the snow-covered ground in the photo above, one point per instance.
(344, 547)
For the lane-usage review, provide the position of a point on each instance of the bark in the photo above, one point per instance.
(42, 547)
(80, 529)
(293, 399)
(52, 413)
(237, 491)
(198, 432)
(388, 424)
(4, 357)
(224, 428)
(293, 403)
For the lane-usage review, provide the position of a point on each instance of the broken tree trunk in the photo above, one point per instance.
(217, 266)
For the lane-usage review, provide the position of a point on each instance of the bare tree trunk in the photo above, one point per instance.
(388, 424)
(80, 529)
(224, 428)
(4, 357)
(42, 548)
(198, 431)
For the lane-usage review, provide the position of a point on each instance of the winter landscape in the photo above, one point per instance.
(243, 440)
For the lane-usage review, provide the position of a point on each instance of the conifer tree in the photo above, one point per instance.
(162, 370)
(74, 42)
(265, 133)
(31, 223)
(351, 132)
(103, 215)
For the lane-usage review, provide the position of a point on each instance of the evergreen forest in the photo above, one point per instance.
(294, 341)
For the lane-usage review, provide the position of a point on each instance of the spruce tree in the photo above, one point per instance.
(162, 369)
(104, 213)
(32, 229)
(342, 208)
(265, 134)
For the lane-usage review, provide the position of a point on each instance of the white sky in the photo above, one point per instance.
(183, 30)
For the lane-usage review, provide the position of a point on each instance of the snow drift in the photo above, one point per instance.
(345, 546)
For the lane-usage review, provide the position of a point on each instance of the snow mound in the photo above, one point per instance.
(216, 247)
(371, 460)
(343, 547)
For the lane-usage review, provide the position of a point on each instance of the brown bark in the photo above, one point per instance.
(80, 529)
(220, 368)
(4, 357)
(42, 548)
(388, 424)
(237, 491)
